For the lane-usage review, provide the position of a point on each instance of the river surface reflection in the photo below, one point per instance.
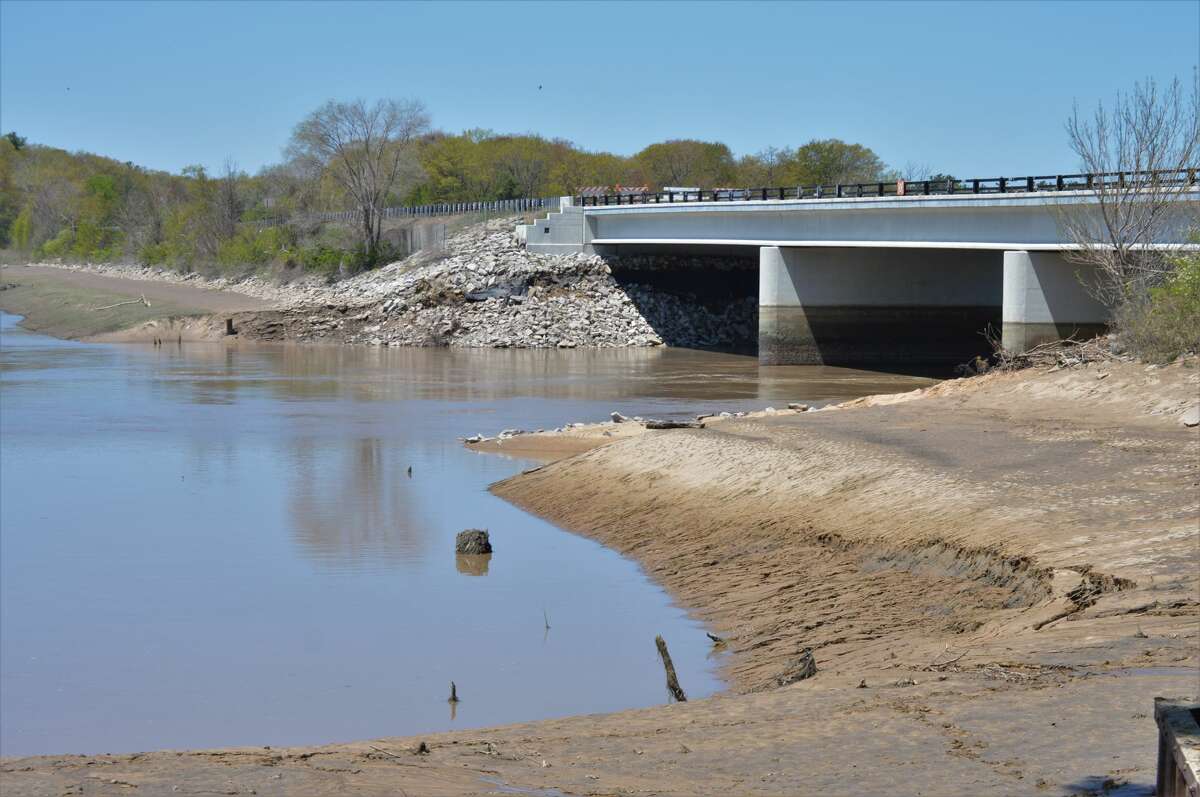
(209, 545)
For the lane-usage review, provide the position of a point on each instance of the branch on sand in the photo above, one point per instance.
(140, 300)
(672, 679)
(655, 424)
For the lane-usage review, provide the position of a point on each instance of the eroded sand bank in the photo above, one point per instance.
(995, 576)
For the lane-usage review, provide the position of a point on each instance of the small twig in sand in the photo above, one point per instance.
(937, 665)
(140, 300)
(399, 759)
(385, 752)
(672, 679)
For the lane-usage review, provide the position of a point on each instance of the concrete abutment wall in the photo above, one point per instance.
(867, 305)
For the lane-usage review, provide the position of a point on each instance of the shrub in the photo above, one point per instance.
(1164, 322)
(21, 230)
(321, 259)
(58, 246)
(154, 254)
(94, 242)
(255, 247)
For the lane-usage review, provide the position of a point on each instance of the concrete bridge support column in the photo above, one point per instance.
(1047, 298)
(859, 306)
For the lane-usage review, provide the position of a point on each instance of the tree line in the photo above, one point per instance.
(359, 157)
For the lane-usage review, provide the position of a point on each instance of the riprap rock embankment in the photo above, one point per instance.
(483, 290)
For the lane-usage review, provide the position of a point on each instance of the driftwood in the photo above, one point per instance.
(672, 679)
(139, 300)
(673, 424)
(716, 640)
(801, 668)
(453, 693)
(388, 753)
(1054, 355)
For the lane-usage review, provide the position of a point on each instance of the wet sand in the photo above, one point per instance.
(996, 577)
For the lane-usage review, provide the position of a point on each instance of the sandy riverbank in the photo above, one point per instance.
(64, 303)
(1008, 563)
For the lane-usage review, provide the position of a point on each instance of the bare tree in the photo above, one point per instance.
(366, 148)
(920, 171)
(229, 200)
(52, 194)
(525, 162)
(140, 215)
(765, 168)
(1142, 150)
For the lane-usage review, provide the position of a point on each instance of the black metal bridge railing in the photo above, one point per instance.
(946, 187)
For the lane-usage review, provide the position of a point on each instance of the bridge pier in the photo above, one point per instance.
(859, 306)
(1047, 298)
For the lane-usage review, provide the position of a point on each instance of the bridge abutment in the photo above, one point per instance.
(1047, 298)
(859, 306)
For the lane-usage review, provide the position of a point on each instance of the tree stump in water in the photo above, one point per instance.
(472, 541)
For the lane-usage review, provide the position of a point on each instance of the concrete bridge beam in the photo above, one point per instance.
(857, 306)
(1047, 298)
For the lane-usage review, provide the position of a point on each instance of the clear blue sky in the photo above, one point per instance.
(968, 88)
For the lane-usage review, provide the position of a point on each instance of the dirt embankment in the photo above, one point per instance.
(995, 576)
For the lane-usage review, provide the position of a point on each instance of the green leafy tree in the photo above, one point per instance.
(96, 234)
(21, 229)
(832, 161)
(686, 162)
(576, 169)
(458, 168)
(524, 164)
(10, 199)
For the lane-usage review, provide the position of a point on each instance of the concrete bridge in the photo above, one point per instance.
(880, 272)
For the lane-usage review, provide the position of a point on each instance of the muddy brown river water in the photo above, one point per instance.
(209, 545)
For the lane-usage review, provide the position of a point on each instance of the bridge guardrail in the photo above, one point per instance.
(437, 209)
(947, 187)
